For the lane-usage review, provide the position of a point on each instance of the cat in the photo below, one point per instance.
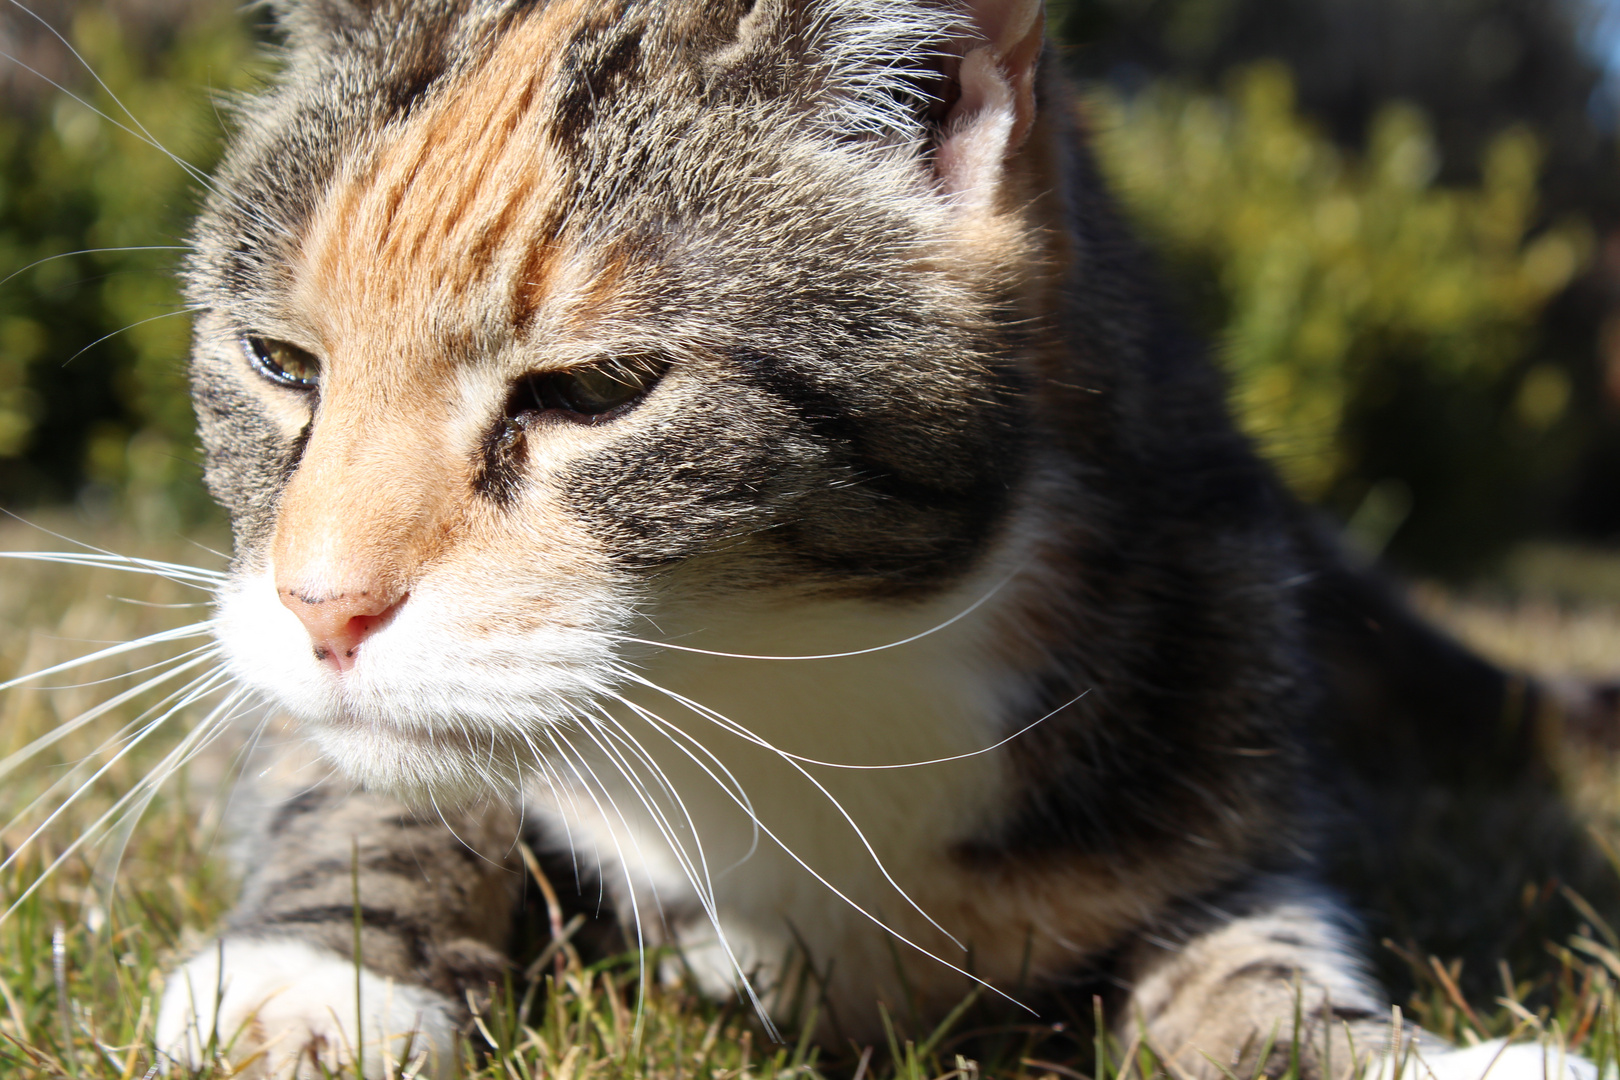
(736, 445)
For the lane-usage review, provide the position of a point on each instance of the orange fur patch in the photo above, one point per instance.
(449, 199)
(434, 240)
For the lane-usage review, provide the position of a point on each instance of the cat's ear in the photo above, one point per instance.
(957, 77)
(990, 92)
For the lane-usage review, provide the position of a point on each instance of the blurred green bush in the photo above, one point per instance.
(1326, 269)
(92, 337)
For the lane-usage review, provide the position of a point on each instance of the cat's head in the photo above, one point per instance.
(522, 325)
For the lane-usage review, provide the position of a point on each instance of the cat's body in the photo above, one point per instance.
(731, 426)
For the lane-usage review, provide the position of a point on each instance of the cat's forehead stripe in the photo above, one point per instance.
(465, 191)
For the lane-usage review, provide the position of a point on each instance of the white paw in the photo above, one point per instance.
(1494, 1060)
(286, 1009)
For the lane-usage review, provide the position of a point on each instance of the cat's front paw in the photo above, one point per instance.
(1494, 1060)
(285, 1009)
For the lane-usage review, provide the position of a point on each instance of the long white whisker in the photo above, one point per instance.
(575, 761)
(177, 572)
(742, 732)
(953, 620)
(179, 754)
(139, 131)
(126, 328)
(114, 556)
(705, 712)
(208, 685)
(13, 760)
(130, 674)
(189, 169)
(878, 862)
(105, 879)
(155, 606)
(91, 251)
(704, 889)
(562, 791)
(897, 935)
(179, 633)
(737, 791)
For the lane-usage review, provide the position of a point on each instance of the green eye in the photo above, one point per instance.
(593, 392)
(283, 364)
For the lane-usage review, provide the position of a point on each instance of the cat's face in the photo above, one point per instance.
(522, 326)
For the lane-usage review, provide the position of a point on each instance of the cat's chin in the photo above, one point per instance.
(442, 769)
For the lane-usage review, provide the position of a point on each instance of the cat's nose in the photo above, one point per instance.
(337, 624)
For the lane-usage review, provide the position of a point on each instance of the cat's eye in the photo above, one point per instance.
(590, 393)
(282, 363)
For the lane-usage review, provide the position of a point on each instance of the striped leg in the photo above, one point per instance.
(435, 909)
(1255, 992)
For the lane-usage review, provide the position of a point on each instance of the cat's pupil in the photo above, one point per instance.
(283, 363)
(593, 392)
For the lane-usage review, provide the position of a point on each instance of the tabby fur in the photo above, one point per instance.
(917, 409)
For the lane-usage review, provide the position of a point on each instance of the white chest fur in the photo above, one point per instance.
(724, 819)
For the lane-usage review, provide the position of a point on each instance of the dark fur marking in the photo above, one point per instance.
(1264, 969)
(969, 497)
(392, 863)
(374, 918)
(295, 454)
(594, 82)
(305, 802)
(1350, 1016)
(498, 472)
(405, 93)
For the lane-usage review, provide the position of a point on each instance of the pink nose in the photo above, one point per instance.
(338, 624)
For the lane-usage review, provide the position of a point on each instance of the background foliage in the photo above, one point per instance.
(1390, 216)
(92, 337)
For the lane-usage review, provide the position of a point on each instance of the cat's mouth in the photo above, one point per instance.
(440, 697)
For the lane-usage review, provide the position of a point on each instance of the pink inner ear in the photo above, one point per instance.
(996, 107)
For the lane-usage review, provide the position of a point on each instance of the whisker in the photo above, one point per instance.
(126, 674)
(742, 732)
(91, 251)
(104, 881)
(876, 861)
(203, 687)
(176, 756)
(128, 327)
(17, 758)
(161, 637)
(705, 896)
(139, 132)
(156, 713)
(704, 888)
(546, 771)
(558, 741)
(954, 619)
(180, 573)
(738, 792)
(731, 725)
(132, 602)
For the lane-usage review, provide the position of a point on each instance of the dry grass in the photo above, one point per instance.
(81, 964)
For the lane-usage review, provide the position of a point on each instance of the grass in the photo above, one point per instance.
(82, 963)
